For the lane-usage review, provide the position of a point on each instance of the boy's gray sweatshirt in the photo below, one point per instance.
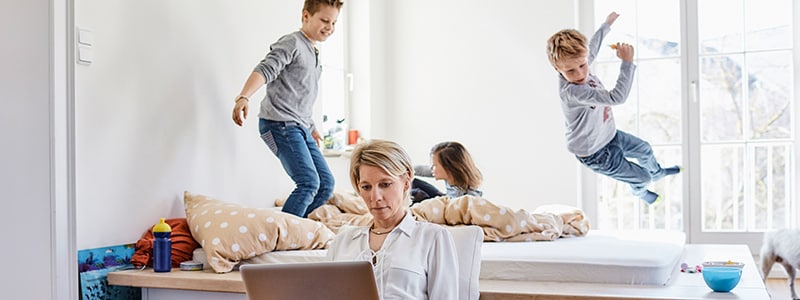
(587, 107)
(291, 70)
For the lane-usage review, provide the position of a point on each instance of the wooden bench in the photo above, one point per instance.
(209, 285)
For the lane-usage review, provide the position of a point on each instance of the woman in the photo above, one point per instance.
(411, 260)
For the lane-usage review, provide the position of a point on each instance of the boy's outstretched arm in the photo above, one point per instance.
(597, 37)
(611, 18)
(620, 91)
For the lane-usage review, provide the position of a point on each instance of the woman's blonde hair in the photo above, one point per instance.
(566, 44)
(387, 155)
(456, 160)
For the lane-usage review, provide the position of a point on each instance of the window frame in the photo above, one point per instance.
(691, 132)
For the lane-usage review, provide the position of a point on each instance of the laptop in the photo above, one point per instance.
(340, 280)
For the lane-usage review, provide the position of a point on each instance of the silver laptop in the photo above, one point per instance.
(351, 280)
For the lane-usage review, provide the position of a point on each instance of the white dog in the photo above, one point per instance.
(781, 246)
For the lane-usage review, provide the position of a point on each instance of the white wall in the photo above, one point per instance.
(476, 72)
(153, 111)
(25, 158)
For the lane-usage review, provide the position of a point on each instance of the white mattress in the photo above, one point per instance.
(625, 257)
(618, 257)
(275, 257)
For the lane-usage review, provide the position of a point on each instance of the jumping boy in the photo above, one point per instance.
(291, 71)
(591, 134)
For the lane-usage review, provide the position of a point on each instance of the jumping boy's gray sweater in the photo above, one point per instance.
(587, 107)
(291, 70)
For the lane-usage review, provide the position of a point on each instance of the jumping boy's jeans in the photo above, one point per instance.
(611, 161)
(303, 161)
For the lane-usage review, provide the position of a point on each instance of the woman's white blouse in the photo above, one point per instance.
(417, 259)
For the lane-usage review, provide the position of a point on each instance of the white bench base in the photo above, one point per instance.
(206, 284)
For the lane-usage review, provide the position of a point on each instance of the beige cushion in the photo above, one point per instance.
(230, 232)
(468, 240)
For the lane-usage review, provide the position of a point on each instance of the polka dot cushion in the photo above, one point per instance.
(230, 232)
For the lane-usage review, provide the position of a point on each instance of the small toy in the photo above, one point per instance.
(685, 268)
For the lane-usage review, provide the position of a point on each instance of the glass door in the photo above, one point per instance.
(745, 90)
(715, 92)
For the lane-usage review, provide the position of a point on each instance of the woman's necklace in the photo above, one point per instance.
(371, 229)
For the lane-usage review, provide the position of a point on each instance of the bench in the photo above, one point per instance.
(209, 285)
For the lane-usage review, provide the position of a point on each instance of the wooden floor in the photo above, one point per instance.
(779, 289)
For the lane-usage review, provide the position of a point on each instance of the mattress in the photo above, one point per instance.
(612, 257)
(618, 257)
(274, 257)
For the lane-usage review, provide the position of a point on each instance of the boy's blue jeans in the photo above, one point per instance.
(611, 161)
(303, 161)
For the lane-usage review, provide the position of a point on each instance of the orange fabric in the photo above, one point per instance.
(183, 244)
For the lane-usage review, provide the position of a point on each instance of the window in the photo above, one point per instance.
(333, 84)
(716, 97)
(746, 103)
(652, 112)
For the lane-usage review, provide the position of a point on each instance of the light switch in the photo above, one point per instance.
(85, 37)
(85, 54)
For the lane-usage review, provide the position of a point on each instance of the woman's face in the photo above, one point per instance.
(383, 193)
(436, 168)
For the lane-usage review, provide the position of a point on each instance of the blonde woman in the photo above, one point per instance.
(411, 259)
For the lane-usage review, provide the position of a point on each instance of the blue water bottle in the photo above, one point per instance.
(162, 247)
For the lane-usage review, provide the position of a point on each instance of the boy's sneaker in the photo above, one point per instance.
(651, 198)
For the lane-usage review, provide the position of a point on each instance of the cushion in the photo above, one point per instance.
(183, 244)
(230, 232)
(468, 240)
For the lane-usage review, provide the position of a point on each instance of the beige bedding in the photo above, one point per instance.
(230, 233)
(499, 223)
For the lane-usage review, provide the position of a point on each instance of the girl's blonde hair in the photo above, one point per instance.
(456, 160)
(386, 155)
(566, 44)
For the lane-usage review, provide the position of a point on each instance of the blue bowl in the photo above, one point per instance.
(722, 279)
